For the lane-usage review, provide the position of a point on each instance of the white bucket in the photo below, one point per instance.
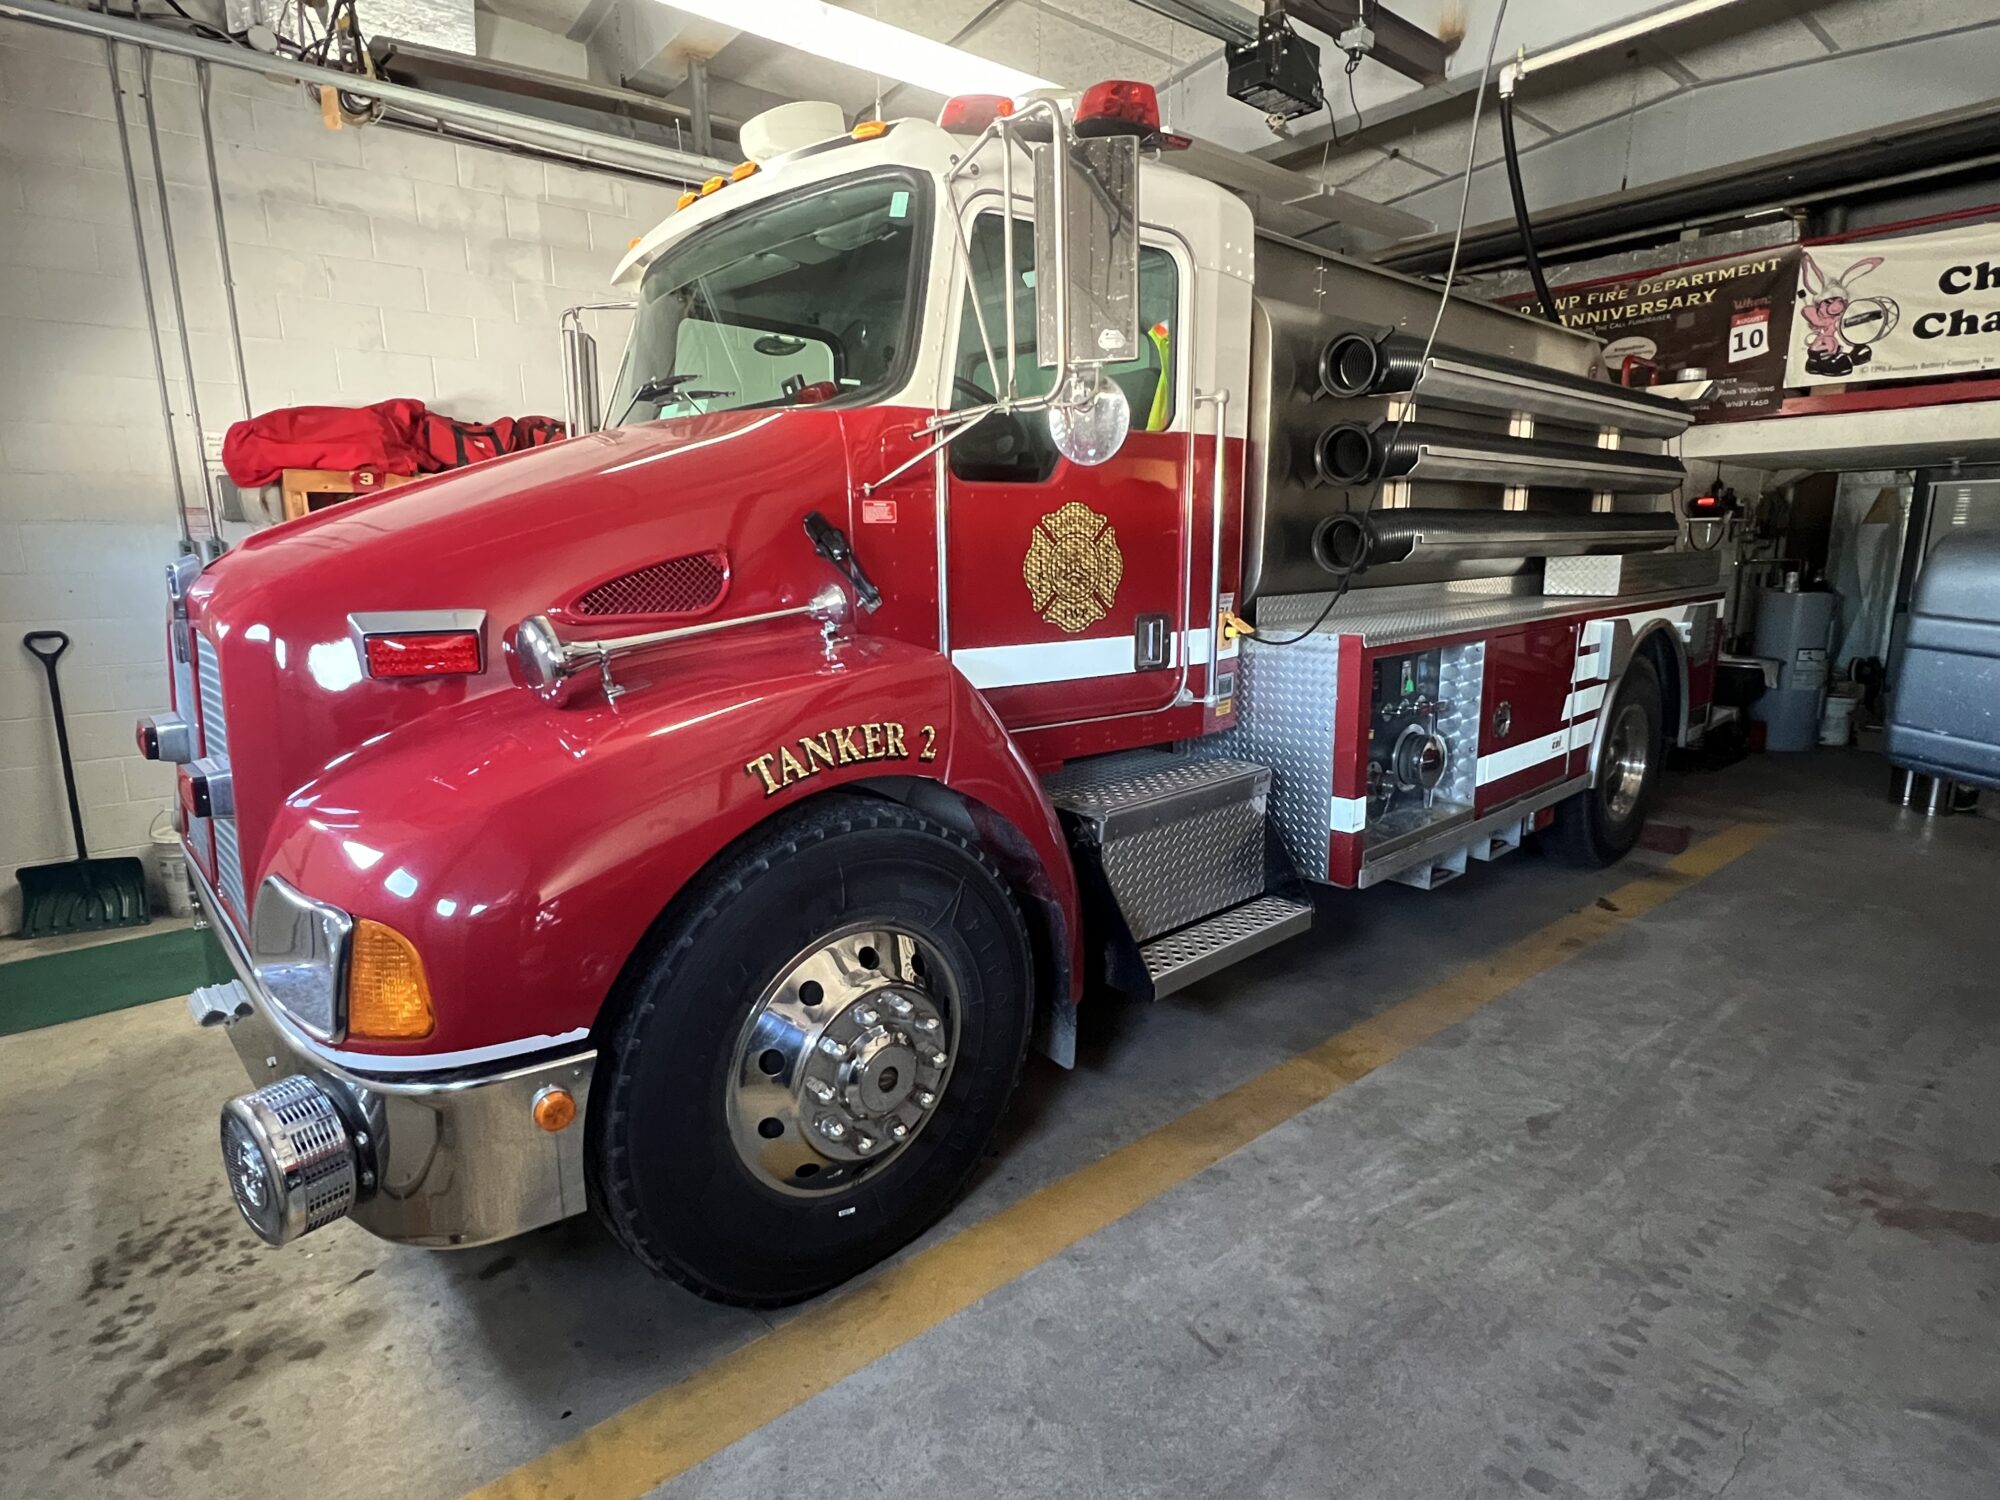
(170, 863)
(1836, 720)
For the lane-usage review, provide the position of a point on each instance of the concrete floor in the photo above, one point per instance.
(1714, 1205)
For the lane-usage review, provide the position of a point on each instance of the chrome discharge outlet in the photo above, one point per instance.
(293, 1164)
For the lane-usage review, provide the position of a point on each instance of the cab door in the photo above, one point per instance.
(1068, 585)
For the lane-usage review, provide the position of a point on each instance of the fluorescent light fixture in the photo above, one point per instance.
(866, 44)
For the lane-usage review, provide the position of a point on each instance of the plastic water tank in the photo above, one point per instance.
(1794, 629)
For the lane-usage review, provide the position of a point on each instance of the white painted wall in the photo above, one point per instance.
(368, 264)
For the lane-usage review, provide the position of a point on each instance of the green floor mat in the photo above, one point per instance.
(110, 976)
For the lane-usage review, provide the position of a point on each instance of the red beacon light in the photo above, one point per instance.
(969, 114)
(1118, 106)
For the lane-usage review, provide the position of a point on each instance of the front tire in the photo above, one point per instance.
(814, 1055)
(1599, 826)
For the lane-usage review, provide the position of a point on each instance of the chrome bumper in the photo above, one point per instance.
(443, 1159)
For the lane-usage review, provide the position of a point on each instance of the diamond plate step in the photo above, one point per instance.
(1121, 796)
(1199, 949)
(1178, 839)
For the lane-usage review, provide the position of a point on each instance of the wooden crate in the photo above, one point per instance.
(307, 490)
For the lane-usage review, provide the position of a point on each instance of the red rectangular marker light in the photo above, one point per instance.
(452, 653)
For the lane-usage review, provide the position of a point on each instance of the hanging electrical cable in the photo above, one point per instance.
(1519, 193)
(1347, 539)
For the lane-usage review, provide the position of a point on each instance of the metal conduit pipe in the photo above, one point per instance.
(1349, 455)
(612, 152)
(1392, 536)
(146, 294)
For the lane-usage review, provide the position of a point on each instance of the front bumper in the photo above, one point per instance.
(444, 1159)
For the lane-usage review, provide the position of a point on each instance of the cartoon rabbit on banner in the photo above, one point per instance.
(1842, 329)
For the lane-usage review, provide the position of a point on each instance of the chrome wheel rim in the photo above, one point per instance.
(1628, 756)
(843, 1060)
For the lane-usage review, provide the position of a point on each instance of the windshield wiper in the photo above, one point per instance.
(655, 390)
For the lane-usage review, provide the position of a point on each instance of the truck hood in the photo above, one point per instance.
(513, 537)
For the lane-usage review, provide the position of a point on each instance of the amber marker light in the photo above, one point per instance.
(685, 199)
(867, 130)
(743, 169)
(714, 185)
(388, 997)
(554, 1108)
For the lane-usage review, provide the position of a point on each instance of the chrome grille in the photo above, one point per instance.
(200, 842)
(215, 745)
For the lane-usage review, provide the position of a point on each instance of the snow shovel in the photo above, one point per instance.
(81, 894)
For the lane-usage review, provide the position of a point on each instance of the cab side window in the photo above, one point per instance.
(1018, 449)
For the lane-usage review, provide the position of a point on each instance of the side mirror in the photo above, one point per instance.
(1087, 249)
(582, 409)
(1090, 417)
(583, 406)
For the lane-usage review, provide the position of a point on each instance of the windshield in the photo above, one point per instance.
(805, 299)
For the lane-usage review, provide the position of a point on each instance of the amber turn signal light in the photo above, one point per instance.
(554, 1108)
(388, 998)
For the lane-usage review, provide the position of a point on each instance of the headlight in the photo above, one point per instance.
(299, 946)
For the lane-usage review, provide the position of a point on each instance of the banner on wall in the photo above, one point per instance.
(1732, 318)
(1921, 306)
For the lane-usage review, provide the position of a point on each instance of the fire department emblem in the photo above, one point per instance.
(1073, 567)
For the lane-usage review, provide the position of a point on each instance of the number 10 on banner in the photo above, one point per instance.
(1749, 334)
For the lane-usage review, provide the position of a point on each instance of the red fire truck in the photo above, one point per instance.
(1003, 573)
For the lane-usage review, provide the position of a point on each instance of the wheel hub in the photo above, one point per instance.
(1627, 758)
(842, 1061)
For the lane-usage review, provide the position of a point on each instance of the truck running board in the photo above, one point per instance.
(1181, 872)
(1199, 949)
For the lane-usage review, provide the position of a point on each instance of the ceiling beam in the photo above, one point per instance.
(1399, 44)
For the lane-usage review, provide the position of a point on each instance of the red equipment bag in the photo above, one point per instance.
(346, 438)
(447, 443)
(392, 437)
(536, 432)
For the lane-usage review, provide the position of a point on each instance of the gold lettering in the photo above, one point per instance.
(818, 748)
(929, 751)
(761, 766)
(843, 742)
(894, 734)
(790, 769)
(871, 738)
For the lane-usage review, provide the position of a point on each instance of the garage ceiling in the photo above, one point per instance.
(1074, 42)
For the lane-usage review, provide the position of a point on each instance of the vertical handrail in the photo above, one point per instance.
(1218, 497)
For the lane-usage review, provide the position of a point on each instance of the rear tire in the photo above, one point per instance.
(1599, 826)
(857, 971)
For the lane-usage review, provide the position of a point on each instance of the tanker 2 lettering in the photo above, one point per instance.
(851, 744)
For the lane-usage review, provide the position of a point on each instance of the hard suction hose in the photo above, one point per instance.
(1344, 454)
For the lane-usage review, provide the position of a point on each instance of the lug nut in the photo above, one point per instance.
(899, 1130)
(829, 1127)
(926, 1099)
(864, 1143)
(938, 1057)
(821, 1090)
(831, 1048)
(865, 1017)
(899, 1005)
(927, 1023)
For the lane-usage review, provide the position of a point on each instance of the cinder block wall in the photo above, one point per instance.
(368, 263)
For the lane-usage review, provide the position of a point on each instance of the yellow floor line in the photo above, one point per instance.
(669, 1432)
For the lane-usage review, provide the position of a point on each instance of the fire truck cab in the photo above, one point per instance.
(1003, 572)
